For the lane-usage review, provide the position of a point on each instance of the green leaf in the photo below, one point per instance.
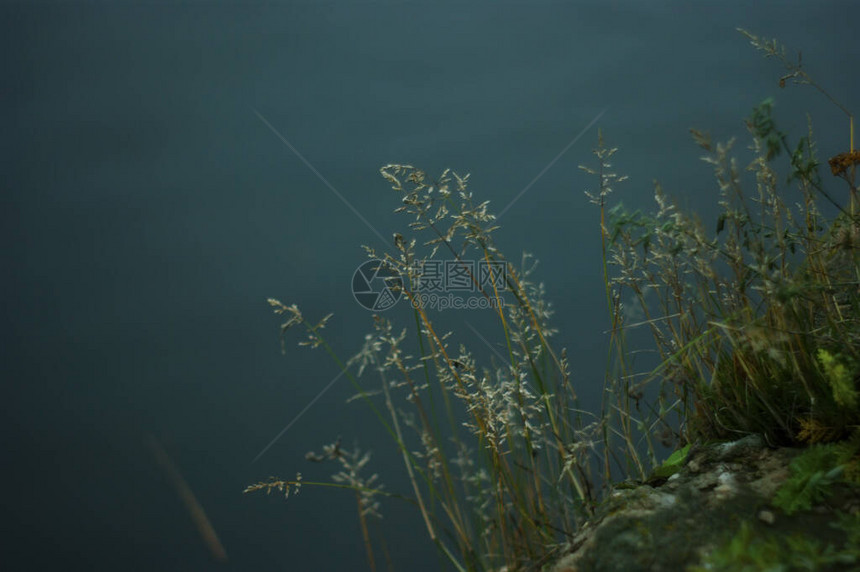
(673, 464)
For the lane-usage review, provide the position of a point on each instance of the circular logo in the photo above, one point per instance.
(376, 285)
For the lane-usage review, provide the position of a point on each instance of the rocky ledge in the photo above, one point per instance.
(717, 513)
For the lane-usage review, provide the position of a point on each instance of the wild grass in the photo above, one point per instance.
(755, 325)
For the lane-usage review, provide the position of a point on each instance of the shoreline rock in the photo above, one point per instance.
(674, 523)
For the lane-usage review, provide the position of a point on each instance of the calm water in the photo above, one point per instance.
(167, 168)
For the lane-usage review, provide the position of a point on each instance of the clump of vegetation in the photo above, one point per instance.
(497, 459)
(748, 551)
(813, 472)
(755, 324)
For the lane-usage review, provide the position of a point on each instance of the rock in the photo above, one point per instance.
(767, 516)
(676, 524)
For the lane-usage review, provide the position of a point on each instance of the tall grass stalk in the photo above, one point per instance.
(754, 326)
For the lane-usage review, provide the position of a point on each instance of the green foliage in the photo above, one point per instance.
(743, 554)
(850, 525)
(762, 125)
(812, 474)
(756, 325)
(673, 464)
(749, 550)
(815, 470)
(802, 158)
(848, 456)
(841, 379)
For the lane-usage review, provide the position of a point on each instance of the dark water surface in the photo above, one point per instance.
(149, 209)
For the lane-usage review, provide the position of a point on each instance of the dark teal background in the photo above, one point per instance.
(148, 212)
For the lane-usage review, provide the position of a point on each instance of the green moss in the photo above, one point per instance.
(756, 550)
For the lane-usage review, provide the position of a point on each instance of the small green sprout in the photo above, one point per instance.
(673, 464)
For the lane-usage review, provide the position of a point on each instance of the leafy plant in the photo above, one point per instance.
(841, 379)
(743, 554)
(812, 474)
(673, 464)
(751, 551)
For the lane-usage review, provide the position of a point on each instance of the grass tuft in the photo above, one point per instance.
(753, 319)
